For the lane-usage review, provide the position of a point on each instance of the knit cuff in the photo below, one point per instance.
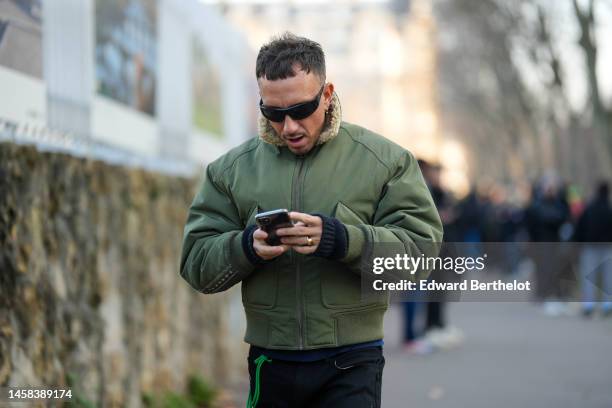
(334, 241)
(247, 246)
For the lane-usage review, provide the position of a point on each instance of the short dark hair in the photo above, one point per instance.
(277, 59)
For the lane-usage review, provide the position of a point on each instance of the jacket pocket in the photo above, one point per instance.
(359, 325)
(340, 287)
(346, 215)
(259, 290)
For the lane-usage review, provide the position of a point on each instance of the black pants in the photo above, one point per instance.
(352, 380)
(435, 315)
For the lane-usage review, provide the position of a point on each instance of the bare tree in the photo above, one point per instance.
(601, 114)
(482, 96)
(504, 89)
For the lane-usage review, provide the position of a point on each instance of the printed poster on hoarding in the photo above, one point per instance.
(126, 52)
(206, 86)
(21, 36)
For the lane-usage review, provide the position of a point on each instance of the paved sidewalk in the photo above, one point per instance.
(513, 356)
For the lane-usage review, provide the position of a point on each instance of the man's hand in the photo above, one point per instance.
(305, 235)
(263, 250)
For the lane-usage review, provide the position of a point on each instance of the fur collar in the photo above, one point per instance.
(330, 129)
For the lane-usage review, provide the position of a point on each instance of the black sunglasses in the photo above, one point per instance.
(297, 112)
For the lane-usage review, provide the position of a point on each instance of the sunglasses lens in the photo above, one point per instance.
(272, 114)
(303, 111)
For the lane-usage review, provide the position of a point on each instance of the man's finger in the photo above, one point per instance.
(264, 246)
(304, 250)
(301, 241)
(297, 231)
(268, 252)
(260, 234)
(305, 218)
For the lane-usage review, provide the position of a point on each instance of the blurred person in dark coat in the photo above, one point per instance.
(544, 217)
(437, 334)
(594, 229)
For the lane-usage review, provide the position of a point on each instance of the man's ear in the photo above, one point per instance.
(328, 92)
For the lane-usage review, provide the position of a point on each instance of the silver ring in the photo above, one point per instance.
(308, 241)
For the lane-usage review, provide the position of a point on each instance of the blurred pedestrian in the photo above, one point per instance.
(545, 216)
(594, 230)
(436, 333)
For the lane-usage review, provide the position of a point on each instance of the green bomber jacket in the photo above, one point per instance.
(298, 302)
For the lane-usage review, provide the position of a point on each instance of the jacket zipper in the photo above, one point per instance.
(296, 201)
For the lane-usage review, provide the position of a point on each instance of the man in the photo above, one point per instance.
(314, 341)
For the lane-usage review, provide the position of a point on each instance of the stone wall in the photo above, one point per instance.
(89, 283)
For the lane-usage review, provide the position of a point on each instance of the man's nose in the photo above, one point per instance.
(290, 125)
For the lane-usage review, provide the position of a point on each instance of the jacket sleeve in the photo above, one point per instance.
(406, 221)
(212, 258)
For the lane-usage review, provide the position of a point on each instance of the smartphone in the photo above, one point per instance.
(270, 221)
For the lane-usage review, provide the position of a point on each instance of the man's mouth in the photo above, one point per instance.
(294, 140)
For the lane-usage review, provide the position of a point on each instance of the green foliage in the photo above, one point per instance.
(199, 394)
(174, 400)
(168, 399)
(78, 400)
